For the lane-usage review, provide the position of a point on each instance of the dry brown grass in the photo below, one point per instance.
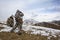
(24, 36)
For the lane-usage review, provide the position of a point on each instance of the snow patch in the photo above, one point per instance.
(34, 30)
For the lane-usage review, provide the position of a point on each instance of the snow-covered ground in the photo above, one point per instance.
(34, 30)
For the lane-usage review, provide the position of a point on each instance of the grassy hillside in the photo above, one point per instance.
(24, 36)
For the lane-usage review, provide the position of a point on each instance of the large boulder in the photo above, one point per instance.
(10, 21)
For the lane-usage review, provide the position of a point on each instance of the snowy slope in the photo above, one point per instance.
(34, 30)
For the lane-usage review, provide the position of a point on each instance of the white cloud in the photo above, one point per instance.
(42, 16)
(36, 1)
(8, 8)
(47, 17)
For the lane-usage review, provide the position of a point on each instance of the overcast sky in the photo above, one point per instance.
(40, 10)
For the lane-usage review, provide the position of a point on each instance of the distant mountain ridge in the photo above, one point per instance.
(53, 24)
(56, 22)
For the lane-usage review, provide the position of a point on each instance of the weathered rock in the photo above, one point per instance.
(10, 21)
